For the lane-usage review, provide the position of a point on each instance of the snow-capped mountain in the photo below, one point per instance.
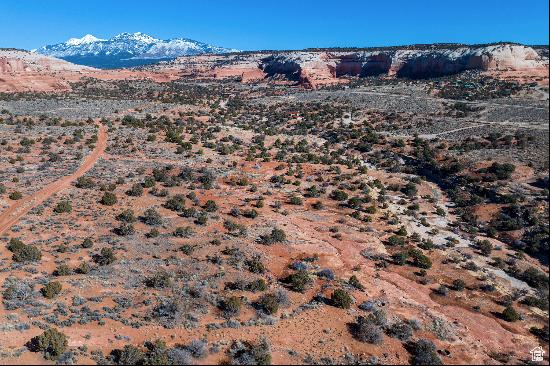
(126, 50)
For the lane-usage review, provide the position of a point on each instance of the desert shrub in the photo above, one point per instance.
(420, 260)
(148, 182)
(423, 352)
(105, 257)
(400, 330)
(410, 189)
(255, 265)
(207, 179)
(85, 183)
(87, 243)
(231, 306)
(63, 207)
(197, 348)
(151, 217)
(298, 281)
(247, 353)
(354, 281)
(179, 356)
(135, 191)
(250, 214)
(15, 195)
(176, 203)
(183, 232)
(396, 240)
(276, 236)
(338, 195)
(108, 199)
(51, 343)
(156, 353)
(51, 289)
(326, 273)
(502, 171)
(129, 355)
(402, 231)
(127, 216)
(153, 233)
(341, 299)
(210, 206)
(159, 280)
(538, 302)
(83, 268)
(535, 278)
(541, 333)
(295, 200)
(17, 293)
(366, 330)
(22, 252)
(268, 303)
(63, 270)
(125, 229)
(400, 258)
(256, 285)
(485, 247)
(459, 285)
(510, 314)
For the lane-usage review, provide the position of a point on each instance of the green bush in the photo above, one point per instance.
(341, 299)
(105, 257)
(423, 352)
(22, 252)
(338, 195)
(420, 260)
(51, 289)
(85, 183)
(108, 199)
(354, 281)
(276, 236)
(135, 191)
(231, 306)
(269, 304)
(510, 314)
(63, 207)
(52, 343)
(298, 281)
(127, 216)
(63, 270)
(396, 240)
(159, 280)
(15, 195)
(151, 217)
(87, 243)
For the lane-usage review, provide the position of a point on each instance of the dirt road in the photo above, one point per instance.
(20, 208)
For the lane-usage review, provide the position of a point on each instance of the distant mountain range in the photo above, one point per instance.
(126, 50)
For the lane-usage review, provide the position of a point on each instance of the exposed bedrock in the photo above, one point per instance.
(280, 65)
(355, 65)
(433, 65)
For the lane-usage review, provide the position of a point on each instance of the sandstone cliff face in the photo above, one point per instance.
(27, 71)
(315, 68)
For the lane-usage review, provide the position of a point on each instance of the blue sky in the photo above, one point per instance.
(279, 24)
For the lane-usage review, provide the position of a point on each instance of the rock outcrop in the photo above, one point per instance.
(26, 71)
(318, 67)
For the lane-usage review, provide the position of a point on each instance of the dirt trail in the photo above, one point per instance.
(20, 208)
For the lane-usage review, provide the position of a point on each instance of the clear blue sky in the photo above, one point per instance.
(278, 24)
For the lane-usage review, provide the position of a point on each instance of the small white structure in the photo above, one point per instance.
(537, 354)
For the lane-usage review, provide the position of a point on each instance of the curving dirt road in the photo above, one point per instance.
(21, 207)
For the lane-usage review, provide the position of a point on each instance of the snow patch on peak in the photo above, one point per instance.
(138, 36)
(88, 38)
